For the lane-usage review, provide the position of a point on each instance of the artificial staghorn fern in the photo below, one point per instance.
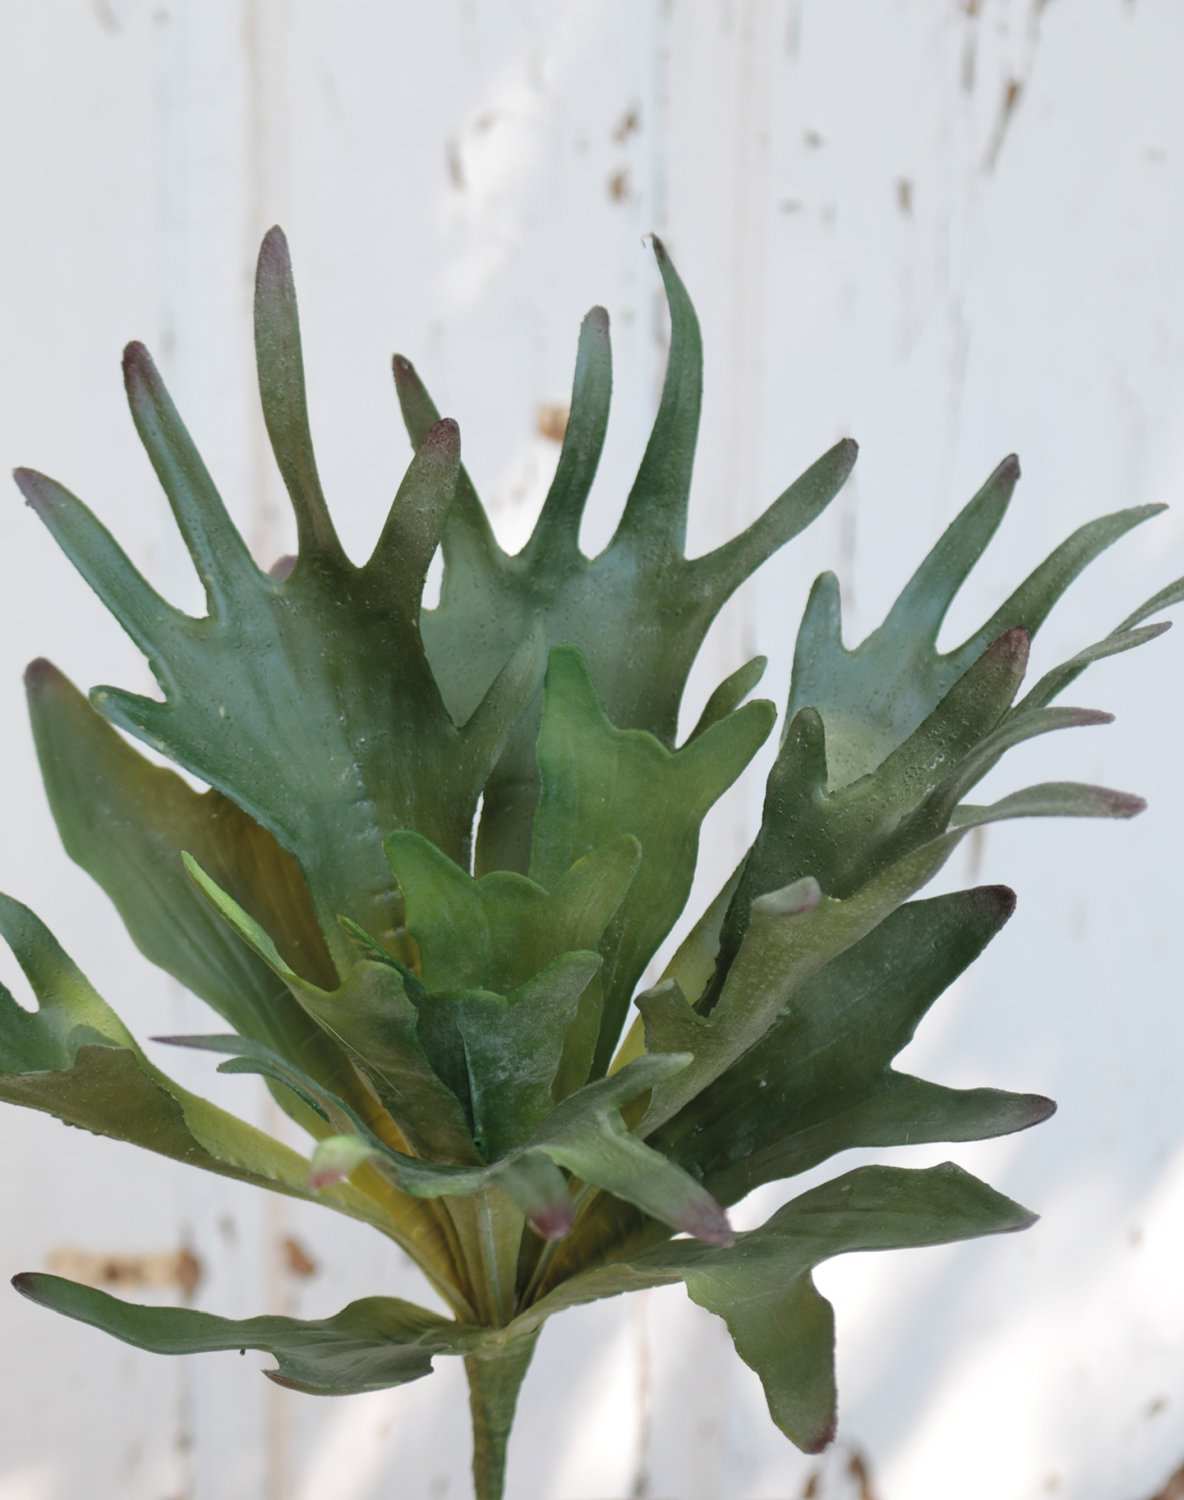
(443, 1013)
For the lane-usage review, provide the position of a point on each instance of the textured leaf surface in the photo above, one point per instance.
(75, 1059)
(762, 1285)
(328, 659)
(584, 1134)
(127, 822)
(640, 610)
(600, 782)
(792, 935)
(820, 1080)
(372, 1018)
(513, 928)
(873, 697)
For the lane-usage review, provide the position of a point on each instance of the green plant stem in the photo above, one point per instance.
(495, 1378)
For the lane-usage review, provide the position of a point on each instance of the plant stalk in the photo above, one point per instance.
(495, 1377)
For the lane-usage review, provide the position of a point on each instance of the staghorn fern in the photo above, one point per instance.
(443, 1012)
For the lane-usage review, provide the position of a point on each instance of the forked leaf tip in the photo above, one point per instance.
(283, 567)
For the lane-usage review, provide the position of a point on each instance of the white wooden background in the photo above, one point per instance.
(949, 227)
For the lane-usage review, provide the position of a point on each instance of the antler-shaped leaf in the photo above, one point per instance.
(763, 1288)
(599, 782)
(639, 611)
(75, 1059)
(820, 1080)
(873, 697)
(320, 745)
(510, 1065)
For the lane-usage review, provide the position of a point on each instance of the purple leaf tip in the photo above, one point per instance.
(41, 673)
(709, 1223)
(553, 1222)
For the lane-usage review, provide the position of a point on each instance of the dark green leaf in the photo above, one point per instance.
(600, 782)
(763, 1289)
(820, 1080)
(368, 1346)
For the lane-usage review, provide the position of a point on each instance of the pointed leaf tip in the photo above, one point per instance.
(791, 900)
(709, 1223)
(41, 673)
(274, 248)
(31, 484)
(444, 437)
(597, 319)
(138, 364)
(554, 1222)
(820, 1441)
(1015, 643)
(1000, 899)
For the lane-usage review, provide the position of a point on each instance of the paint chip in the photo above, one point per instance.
(179, 1270)
(629, 124)
(551, 420)
(297, 1260)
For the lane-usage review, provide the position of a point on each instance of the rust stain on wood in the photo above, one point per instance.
(297, 1260)
(629, 124)
(859, 1470)
(1174, 1489)
(1012, 94)
(178, 1270)
(551, 420)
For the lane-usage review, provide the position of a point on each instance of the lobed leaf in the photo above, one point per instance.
(600, 782)
(820, 1081)
(763, 1288)
(638, 612)
(75, 1059)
